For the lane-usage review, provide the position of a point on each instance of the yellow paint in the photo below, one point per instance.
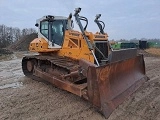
(40, 45)
(74, 46)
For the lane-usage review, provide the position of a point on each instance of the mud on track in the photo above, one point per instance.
(23, 98)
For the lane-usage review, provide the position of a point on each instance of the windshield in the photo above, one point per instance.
(57, 31)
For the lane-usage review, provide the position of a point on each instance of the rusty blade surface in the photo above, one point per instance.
(118, 55)
(115, 82)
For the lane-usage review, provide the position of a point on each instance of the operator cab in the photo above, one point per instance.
(52, 29)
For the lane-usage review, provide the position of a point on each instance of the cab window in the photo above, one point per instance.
(57, 32)
(44, 28)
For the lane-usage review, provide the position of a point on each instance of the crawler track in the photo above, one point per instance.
(59, 71)
(60, 63)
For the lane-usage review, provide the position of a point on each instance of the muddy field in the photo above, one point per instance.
(24, 99)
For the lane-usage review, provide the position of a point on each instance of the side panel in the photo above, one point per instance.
(75, 47)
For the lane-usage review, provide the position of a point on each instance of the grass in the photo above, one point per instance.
(154, 51)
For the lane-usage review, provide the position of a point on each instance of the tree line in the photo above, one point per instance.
(8, 35)
(136, 40)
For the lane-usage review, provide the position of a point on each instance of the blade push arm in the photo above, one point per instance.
(78, 20)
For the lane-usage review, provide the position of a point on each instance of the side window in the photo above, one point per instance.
(44, 28)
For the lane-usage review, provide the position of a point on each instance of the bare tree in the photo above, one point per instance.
(16, 34)
(8, 35)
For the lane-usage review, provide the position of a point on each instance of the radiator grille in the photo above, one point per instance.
(103, 47)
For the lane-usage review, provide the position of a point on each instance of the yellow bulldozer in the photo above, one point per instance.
(83, 63)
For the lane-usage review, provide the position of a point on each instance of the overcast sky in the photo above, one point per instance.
(123, 18)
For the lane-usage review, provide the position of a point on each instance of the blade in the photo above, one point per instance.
(118, 55)
(115, 82)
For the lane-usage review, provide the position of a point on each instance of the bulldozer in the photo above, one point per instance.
(84, 63)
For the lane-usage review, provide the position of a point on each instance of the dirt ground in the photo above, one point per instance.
(24, 99)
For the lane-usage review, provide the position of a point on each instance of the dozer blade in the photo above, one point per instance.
(111, 84)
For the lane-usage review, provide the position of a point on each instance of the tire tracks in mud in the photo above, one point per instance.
(37, 100)
(48, 100)
(144, 104)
